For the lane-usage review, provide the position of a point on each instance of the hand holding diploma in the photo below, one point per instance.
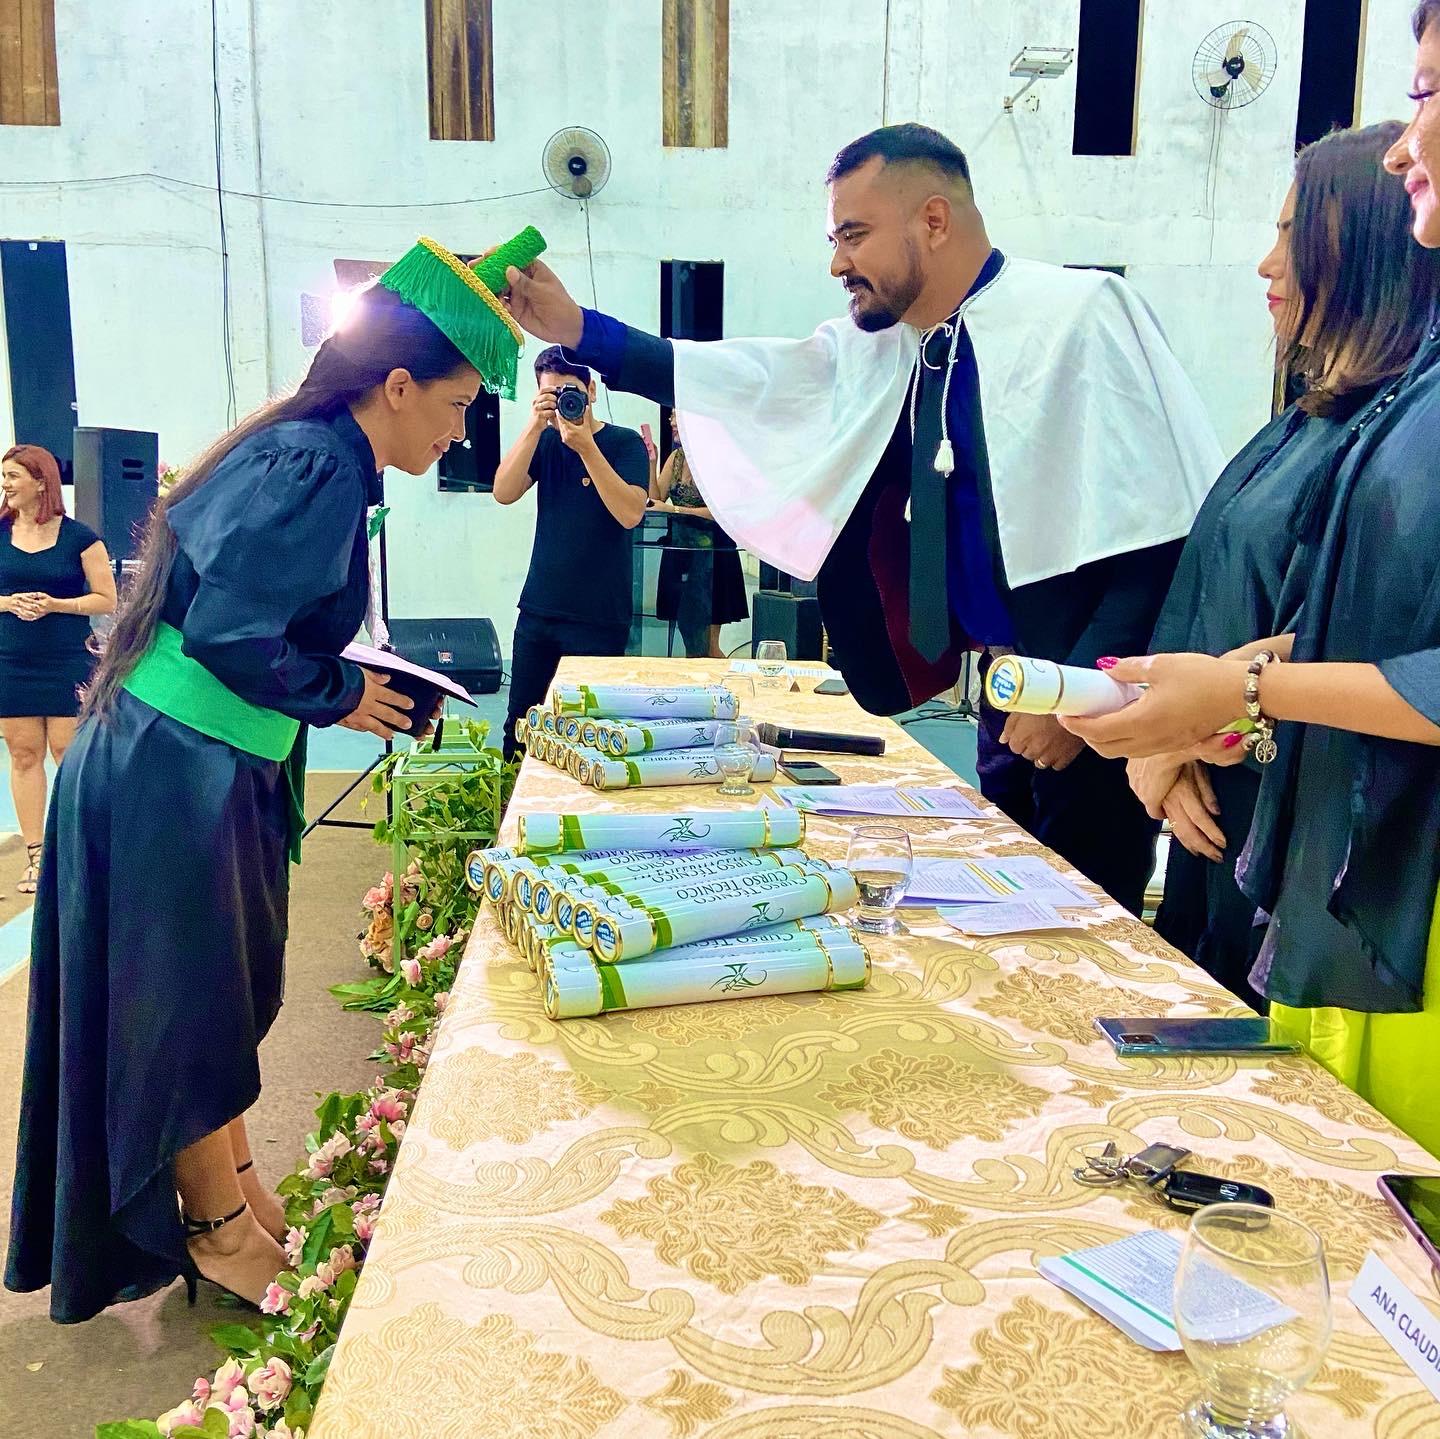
(1188, 699)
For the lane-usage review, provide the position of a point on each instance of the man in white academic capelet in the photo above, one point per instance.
(989, 454)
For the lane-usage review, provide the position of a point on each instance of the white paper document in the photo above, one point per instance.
(815, 671)
(879, 799)
(940, 880)
(1018, 916)
(1132, 1284)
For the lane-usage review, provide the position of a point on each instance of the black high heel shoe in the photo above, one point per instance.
(192, 1275)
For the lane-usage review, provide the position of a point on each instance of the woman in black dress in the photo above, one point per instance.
(54, 574)
(1351, 291)
(701, 585)
(159, 932)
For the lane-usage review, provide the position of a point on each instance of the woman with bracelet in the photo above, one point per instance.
(701, 584)
(1350, 292)
(54, 574)
(157, 961)
(1344, 855)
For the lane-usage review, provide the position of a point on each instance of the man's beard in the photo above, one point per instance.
(886, 310)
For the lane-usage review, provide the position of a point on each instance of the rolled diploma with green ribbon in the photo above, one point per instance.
(671, 767)
(590, 733)
(477, 864)
(751, 902)
(646, 701)
(574, 992)
(688, 830)
(629, 737)
(502, 867)
(562, 891)
(534, 879)
(685, 889)
(779, 937)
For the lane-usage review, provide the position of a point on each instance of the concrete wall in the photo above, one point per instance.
(326, 103)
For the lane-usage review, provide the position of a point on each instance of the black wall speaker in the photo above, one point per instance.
(773, 579)
(466, 650)
(116, 475)
(792, 618)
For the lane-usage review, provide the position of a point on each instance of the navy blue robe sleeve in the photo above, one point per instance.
(270, 536)
(628, 359)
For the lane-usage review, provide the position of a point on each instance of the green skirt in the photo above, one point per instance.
(1390, 1060)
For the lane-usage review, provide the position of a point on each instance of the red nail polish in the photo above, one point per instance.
(1106, 662)
(1231, 740)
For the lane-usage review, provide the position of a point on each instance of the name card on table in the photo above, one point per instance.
(1404, 1323)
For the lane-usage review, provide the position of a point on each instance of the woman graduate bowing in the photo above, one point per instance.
(160, 925)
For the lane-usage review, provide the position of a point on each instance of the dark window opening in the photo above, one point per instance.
(38, 342)
(1107, 77)
(1329, 67)
(470, 467)
(692, 307)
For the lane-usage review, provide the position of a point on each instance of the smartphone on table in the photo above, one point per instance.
(1416, 1199)
(1148, 1036)
(806, 771)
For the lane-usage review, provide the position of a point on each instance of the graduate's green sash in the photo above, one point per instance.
(169, 680)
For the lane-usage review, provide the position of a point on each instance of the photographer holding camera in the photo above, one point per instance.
(593, 482)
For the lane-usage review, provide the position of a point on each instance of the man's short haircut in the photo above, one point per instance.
(908, 144)
(1426, 13)
(554, 362)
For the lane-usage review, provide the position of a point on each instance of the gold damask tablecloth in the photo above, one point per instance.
(821, 1215)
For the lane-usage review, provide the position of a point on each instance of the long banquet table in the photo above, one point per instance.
(821, 1214)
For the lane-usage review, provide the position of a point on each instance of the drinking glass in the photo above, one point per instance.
(881, 861)
(736, 750)
(771, 657)
(743, 688)
(1252, 1304)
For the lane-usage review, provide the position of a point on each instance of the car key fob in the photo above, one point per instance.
(1188, 1192)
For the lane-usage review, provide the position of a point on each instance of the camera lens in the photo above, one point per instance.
(570, 403)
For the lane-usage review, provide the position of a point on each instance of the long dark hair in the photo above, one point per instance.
(381, 333)
(1365, 286)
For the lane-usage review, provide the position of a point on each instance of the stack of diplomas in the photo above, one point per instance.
(629, 736)
(631, 911)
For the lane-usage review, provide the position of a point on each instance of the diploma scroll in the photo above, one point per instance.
(573, 991)
(632, 737)
(672, 767)
(766, 828)
(1039, 687)
(600, 881)
(658, 925)
(642, 701)
(795, 935)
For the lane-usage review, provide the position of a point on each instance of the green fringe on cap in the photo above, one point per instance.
(463, 305)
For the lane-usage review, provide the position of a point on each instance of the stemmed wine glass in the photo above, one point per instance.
(771, 656)
(1252, 1305)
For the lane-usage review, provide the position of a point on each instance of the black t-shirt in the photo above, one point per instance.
(580, 568)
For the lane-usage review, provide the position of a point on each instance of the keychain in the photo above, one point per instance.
(1154, 1167)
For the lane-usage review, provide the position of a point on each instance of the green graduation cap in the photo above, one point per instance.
(462, 301)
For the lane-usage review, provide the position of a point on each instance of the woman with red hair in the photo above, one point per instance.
(54, 574)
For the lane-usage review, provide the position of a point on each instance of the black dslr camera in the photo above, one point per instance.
(570, 403)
